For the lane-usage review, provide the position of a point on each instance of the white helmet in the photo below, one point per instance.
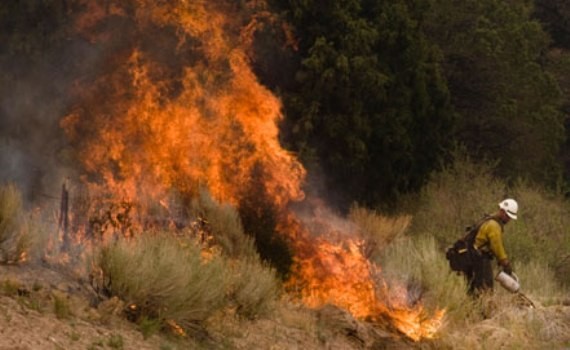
(511, 207)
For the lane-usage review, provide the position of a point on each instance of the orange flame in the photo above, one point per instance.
(170, 116)
(331, 269)
(145, 139)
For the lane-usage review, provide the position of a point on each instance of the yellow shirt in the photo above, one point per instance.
(490, 238)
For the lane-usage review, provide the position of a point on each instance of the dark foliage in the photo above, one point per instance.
(508, 103)
(259, 219)
(555, 17)
(368, 105)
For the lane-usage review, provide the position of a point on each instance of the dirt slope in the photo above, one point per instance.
(42, 307)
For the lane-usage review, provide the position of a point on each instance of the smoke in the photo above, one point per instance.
(31, 103)
(36, 91)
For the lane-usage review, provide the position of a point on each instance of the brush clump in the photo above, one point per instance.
(15, 227)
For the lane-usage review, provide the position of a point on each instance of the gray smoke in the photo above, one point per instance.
(35, 93)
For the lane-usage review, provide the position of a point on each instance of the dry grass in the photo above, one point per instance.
(458, 197)
(542, 232)
(16, 235)
(455, 198)
(377, 230)
(536, 243)
(500, 320)
(511, 328)
(292, 315)
(539, 282)
(170, 277)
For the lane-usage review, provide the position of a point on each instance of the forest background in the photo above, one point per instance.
(376, 95)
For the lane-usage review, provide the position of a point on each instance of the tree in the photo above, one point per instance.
(555, 17)
(369, 106)
(509, 106)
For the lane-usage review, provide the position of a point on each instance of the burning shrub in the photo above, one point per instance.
(163, 277)
(377, 230)
(15, 230)
(225, 225)
(421, 261)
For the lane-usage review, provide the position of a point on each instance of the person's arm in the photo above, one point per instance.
(497, 247)
(496, 243)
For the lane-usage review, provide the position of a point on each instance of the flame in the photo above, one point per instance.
(170, 116)
(176, 328)
(146, 139)
(331, 269)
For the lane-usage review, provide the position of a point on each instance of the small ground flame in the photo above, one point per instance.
(331, 269)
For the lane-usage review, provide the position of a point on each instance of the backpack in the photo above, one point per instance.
(462, 254)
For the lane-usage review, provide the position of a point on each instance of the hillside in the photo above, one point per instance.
(43, 308)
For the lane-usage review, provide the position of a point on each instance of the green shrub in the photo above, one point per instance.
(10, 287)
(255, 287)
(148, 326)
(74, 336)
(115, 341)
(15, 229)
(165, 276)
(61, 307)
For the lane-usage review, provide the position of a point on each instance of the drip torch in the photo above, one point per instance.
(512, 284)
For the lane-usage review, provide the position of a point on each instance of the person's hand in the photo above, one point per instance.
(508, 269)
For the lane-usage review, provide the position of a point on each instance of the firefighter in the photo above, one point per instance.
(488, 245)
